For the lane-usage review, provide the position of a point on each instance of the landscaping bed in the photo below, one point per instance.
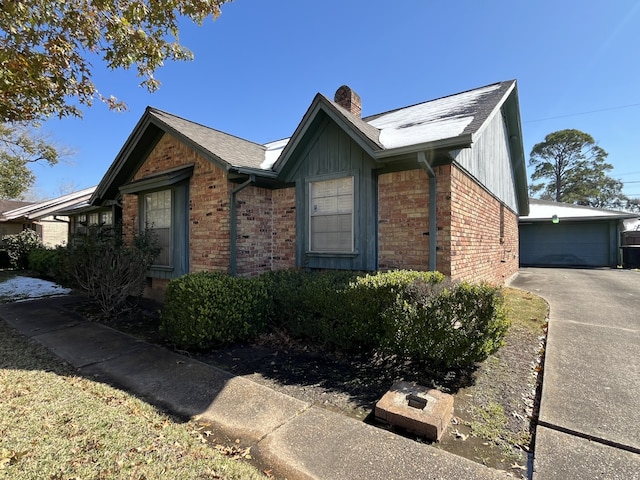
(494, 401)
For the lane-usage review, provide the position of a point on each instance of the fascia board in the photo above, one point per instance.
(320, 104)
(461, 141)
(122, 156)
(562, 219)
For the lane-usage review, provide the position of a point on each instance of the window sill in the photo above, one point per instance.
(160, 268)
(333, 254)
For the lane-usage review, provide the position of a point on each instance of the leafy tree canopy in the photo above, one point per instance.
(21, 146)
(570, 167)
(45, 46)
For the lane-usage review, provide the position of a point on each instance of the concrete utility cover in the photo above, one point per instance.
(417, 409)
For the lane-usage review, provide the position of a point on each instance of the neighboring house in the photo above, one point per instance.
(562, 234)
(437, 185)
(9, 227)
(47, 218)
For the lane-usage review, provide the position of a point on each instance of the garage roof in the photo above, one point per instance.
(544, 211)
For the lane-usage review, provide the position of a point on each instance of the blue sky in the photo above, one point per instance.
(258, 67)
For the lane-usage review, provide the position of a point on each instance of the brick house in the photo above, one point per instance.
(433, 186)
(49, 218)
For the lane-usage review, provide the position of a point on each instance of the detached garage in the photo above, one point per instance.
(561, 234)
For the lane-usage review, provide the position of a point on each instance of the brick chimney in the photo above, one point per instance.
(347, 98)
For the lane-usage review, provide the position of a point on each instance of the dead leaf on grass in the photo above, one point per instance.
(462, 436)
(235, 453)
(10, 457)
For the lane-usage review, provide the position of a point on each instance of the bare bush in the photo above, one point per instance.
(108, 270)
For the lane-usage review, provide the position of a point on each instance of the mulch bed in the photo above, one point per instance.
(352, 384)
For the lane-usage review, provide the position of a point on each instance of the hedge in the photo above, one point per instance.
(209, 309)
(405, 313)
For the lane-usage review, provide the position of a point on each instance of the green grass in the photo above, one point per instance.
(490, 422)
(56, 425)
(495, 405)
(525, 309)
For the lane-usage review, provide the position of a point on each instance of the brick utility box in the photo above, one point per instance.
(420, 410)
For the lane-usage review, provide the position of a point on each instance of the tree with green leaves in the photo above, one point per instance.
(570, 167)
(21, 146)
(47, 46)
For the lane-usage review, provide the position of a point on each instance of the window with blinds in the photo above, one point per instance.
(331, 216)
(157, 217)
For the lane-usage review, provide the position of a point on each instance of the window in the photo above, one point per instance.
(157, 217)
(106, 218)
(93, 219)
(331, 216)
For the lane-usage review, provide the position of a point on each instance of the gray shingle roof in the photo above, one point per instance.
(6, 205)
(227, 148)
(43, 209)
(440, 119)
(435, 120)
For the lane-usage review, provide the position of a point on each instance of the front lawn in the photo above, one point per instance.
(56, 425)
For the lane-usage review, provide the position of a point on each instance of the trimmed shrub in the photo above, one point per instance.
(210, 309)
(46, 262)
(366, 299)
(407, 313)
(450, 325)
(19, 245)
(340, 310)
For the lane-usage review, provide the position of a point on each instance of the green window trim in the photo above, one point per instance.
(330, 215)
(156, 215)
(175, 180)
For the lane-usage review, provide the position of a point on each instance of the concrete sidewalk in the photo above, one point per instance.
(295, 439)
(589, 422)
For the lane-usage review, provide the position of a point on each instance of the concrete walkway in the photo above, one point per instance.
(589, 425)
(291, 437)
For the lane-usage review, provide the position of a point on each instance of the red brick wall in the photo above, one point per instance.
(208, 203)
(266, 230)
(403, 220)
(284, 228)
(468, 226)
(478, 251)
(266, 225)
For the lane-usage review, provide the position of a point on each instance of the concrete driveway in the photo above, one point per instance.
(589, 425)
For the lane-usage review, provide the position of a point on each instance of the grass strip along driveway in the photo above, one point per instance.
(57, 425)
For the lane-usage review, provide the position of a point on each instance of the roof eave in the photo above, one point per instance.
(320, 103)
(461, 141)
(120, 160)
(590, 218)
(516, 147)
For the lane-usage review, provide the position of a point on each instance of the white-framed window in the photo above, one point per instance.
(93, 219)
(331, 216)
(157, 217)
(106, 218)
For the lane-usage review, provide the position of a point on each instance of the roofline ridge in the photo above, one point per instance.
(368, 118)
(152, 110)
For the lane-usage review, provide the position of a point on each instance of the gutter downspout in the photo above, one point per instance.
(233, 225)
(433, 226)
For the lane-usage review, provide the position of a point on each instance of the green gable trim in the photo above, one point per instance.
(158, 181)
